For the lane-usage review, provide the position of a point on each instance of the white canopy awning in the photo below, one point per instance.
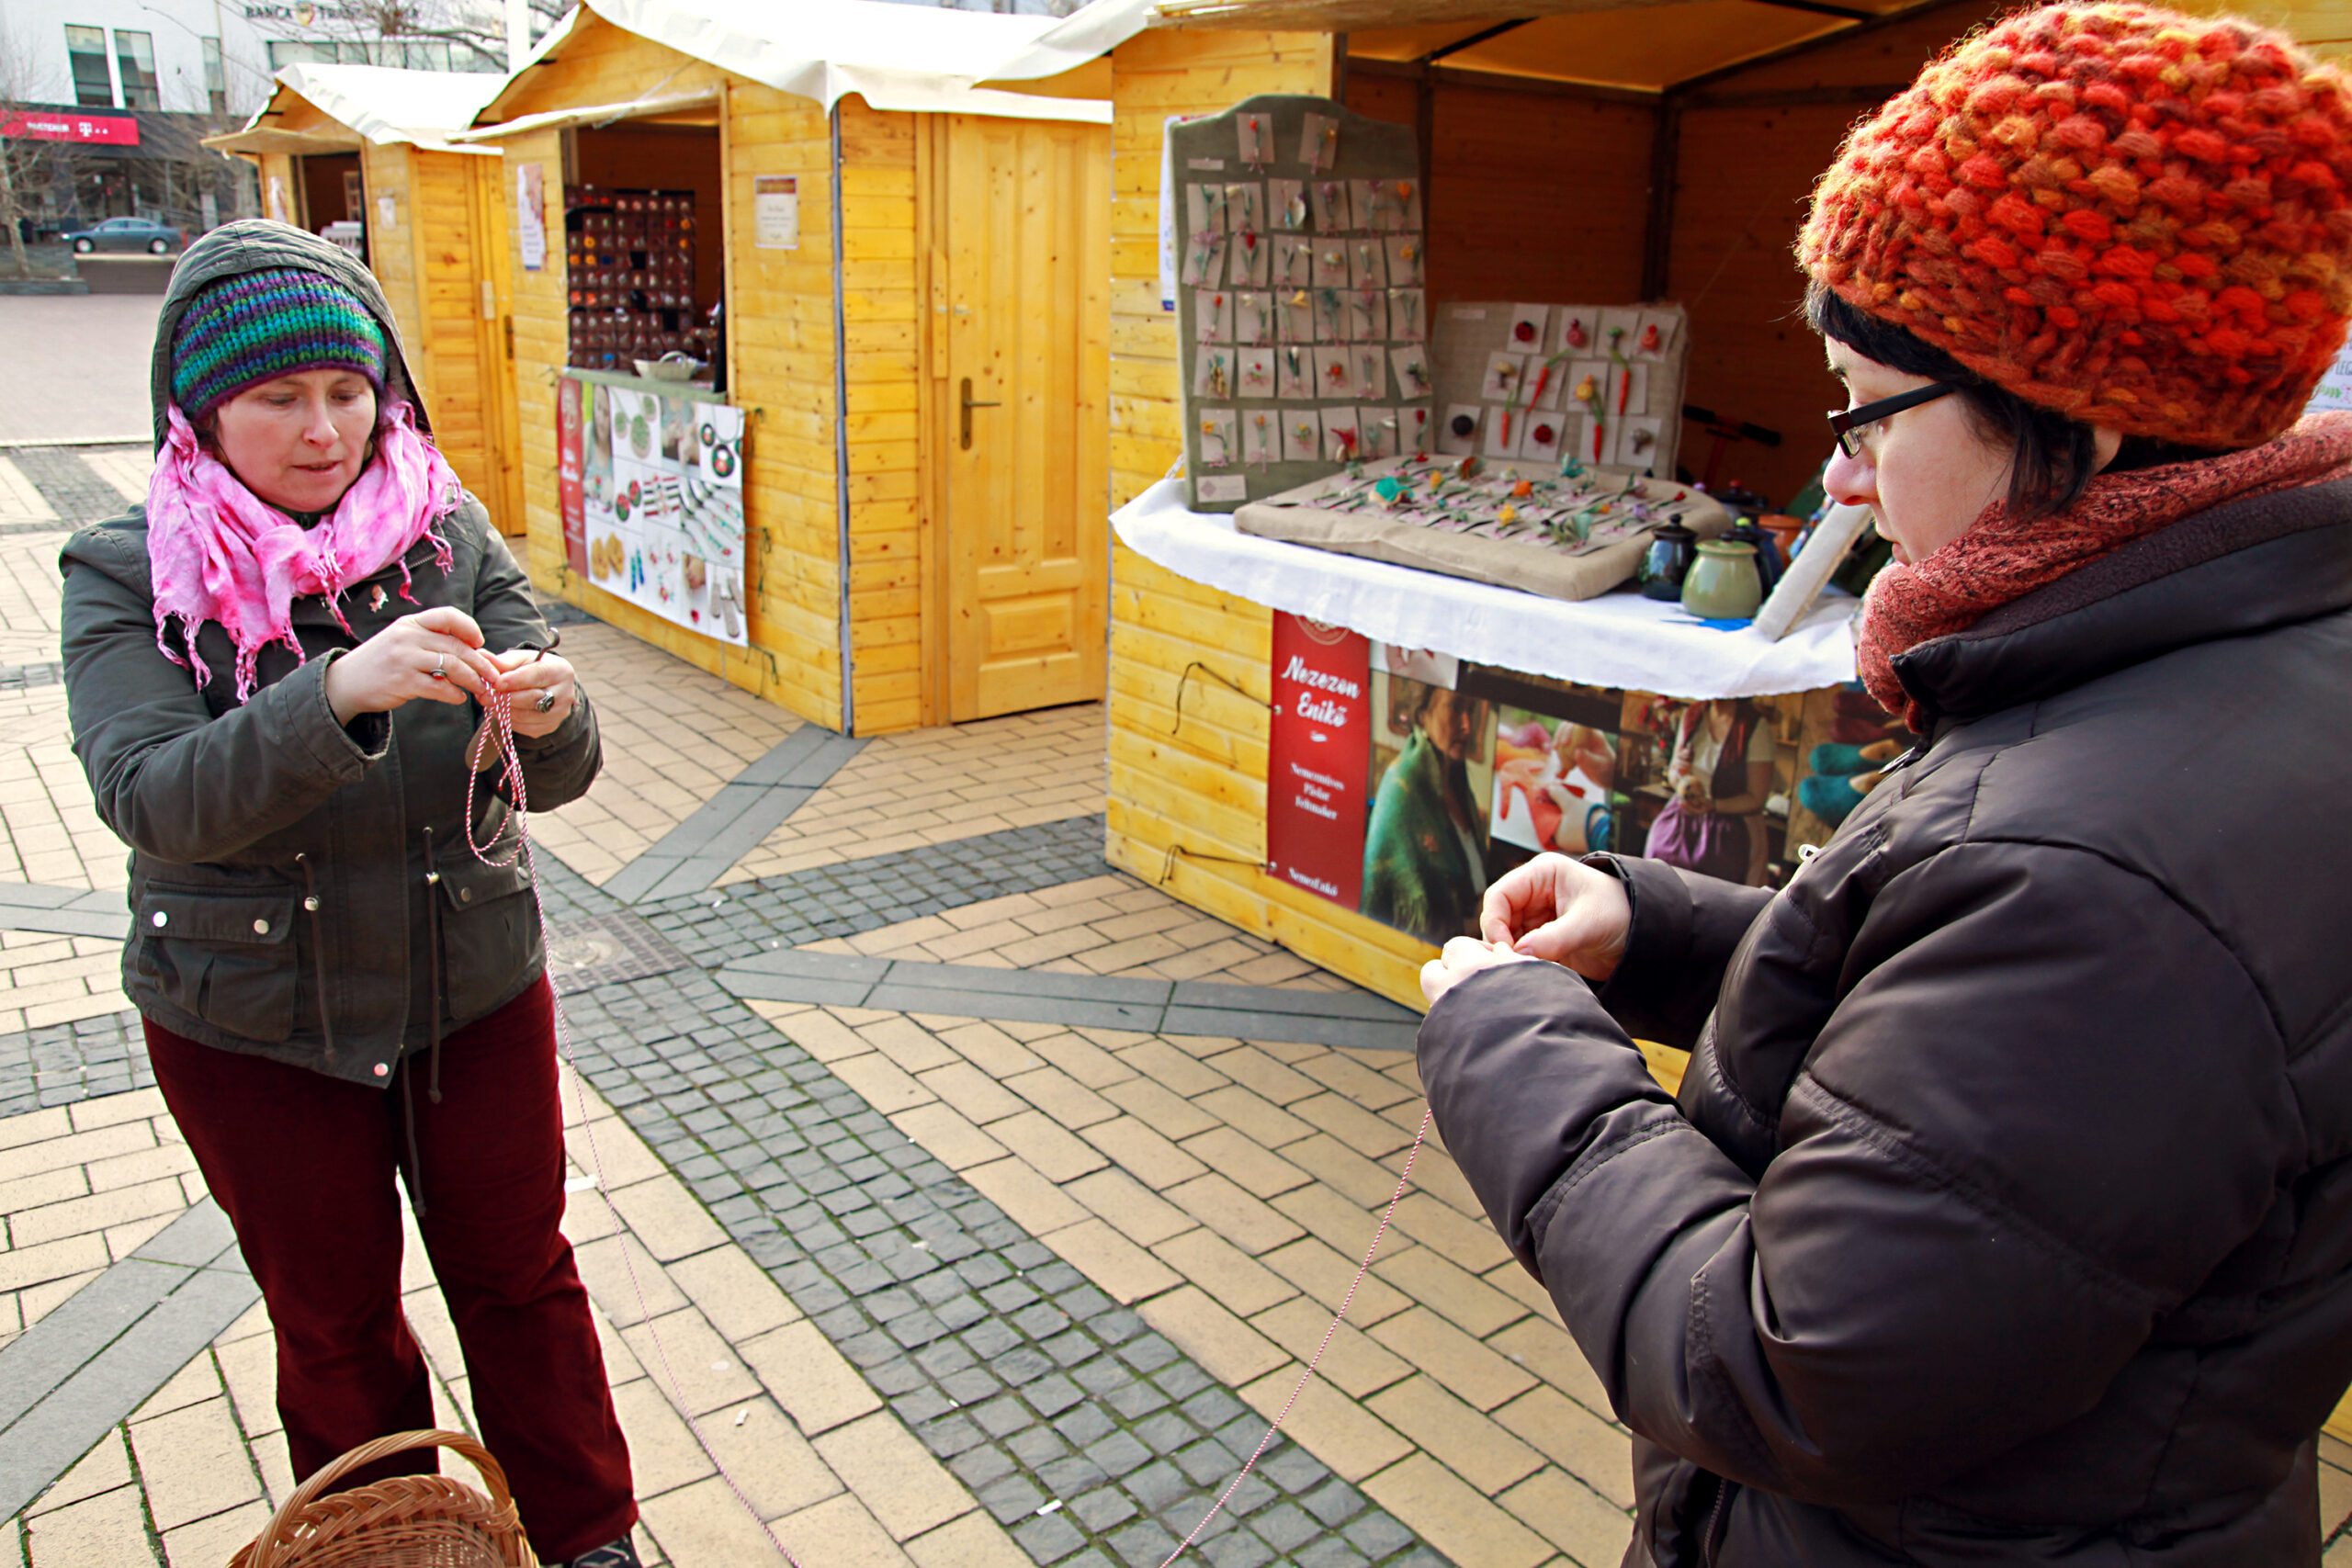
(896, 58)
(384, 103)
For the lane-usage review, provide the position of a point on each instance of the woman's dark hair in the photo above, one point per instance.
(2056, 458)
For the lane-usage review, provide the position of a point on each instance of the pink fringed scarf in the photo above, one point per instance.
(217, 552)
(1999, 558)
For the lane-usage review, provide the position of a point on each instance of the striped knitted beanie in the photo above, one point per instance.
(2137, 218)
(256, 325)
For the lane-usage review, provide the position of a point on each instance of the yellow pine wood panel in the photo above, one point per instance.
(602, 63)
(1155, 75)
(391, 256)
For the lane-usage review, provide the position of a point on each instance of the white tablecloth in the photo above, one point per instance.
(1618, 639)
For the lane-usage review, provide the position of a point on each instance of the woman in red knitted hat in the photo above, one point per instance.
(2006, 1212)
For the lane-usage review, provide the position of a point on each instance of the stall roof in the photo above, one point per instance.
(382, 104)
(826, 49)
(1643, 46)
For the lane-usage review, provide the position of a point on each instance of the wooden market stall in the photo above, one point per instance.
(1570, 151)
(364, 145)
(911, 269)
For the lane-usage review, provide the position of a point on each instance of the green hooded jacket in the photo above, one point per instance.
(1417, 873)
(302, 889)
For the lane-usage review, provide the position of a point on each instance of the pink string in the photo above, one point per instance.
(499, 709)
(1403, 1180)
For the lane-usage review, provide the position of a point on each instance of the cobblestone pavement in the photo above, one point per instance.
(937, 1290)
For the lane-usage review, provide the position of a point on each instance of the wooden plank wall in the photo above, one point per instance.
(1156, 74)
(882, 324)
(781, 368)
(1745, 180)
(1201, 785)
(1503, 225)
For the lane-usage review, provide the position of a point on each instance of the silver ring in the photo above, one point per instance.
(547, 702)
(440, 667)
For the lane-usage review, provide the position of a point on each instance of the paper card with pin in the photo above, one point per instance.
(1294, 262)
(1415, 432)
(1257, 372)
(1294, 372)
(1330, 316)
(1404, 261)
(1367, 263)
(1331, 270)
(1319, 141)
(1620, 324)
(1592, 435)
(1457, 431)
(1219, 430)
(1505, 375)
(1343, 438)
(1629, 389)
(1505, 426)
(1213, 315)
(1207, 208)
(1295, 316)
(1550, 392)
(1367, 315)
(1588, 385)
(1205, 258)
(1540, 441)
(1637, 441)
(1253, 319)
(1334, 373)
(1654, 338)
(1527, 323)
(1212, 374)
(1408, 315)
(1245, 207)
(1250, 253)
(1379, 427)
(1302, 436)
(1261, 437)
(1377, 204)
(1286, 208)
(1370, 362)
(1255, 134)
(1576, 330)
(1412, 362)
(1329, 199)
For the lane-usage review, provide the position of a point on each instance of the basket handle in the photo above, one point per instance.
(272, 1540)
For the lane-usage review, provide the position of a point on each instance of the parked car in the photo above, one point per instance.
(127, 234)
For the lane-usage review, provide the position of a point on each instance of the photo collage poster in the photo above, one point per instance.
(1402, 782)
(662, 505)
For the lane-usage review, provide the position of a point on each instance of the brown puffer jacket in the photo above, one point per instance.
(2005, 1217)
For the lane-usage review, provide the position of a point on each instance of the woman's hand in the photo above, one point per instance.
(1693, 791)
(397, 665)
(543, 690)
(1461, 958)
(542, 687)
(1560, 911)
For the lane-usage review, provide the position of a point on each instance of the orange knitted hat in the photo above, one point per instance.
(2140, 218)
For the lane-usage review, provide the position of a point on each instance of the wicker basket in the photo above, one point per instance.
(408, 1521)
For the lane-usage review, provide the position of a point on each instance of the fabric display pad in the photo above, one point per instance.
(1302, 314)
(1552, 383)
(1567, 535)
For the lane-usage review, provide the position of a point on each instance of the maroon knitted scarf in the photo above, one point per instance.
(2000, 559)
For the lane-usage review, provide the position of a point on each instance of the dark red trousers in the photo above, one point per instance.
(304, 1165)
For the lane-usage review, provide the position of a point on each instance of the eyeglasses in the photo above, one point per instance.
(1853, 426)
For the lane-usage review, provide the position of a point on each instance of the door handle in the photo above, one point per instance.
(968, 406)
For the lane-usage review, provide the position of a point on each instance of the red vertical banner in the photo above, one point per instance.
(569, 425)
(1317, 757)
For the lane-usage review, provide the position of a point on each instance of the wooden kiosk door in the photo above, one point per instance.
(1020, 374)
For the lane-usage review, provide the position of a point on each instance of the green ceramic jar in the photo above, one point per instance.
(1723, 584)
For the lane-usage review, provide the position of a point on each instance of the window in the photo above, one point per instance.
(216, 80)
(293, 51)
(134, 54)
(92, 82)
